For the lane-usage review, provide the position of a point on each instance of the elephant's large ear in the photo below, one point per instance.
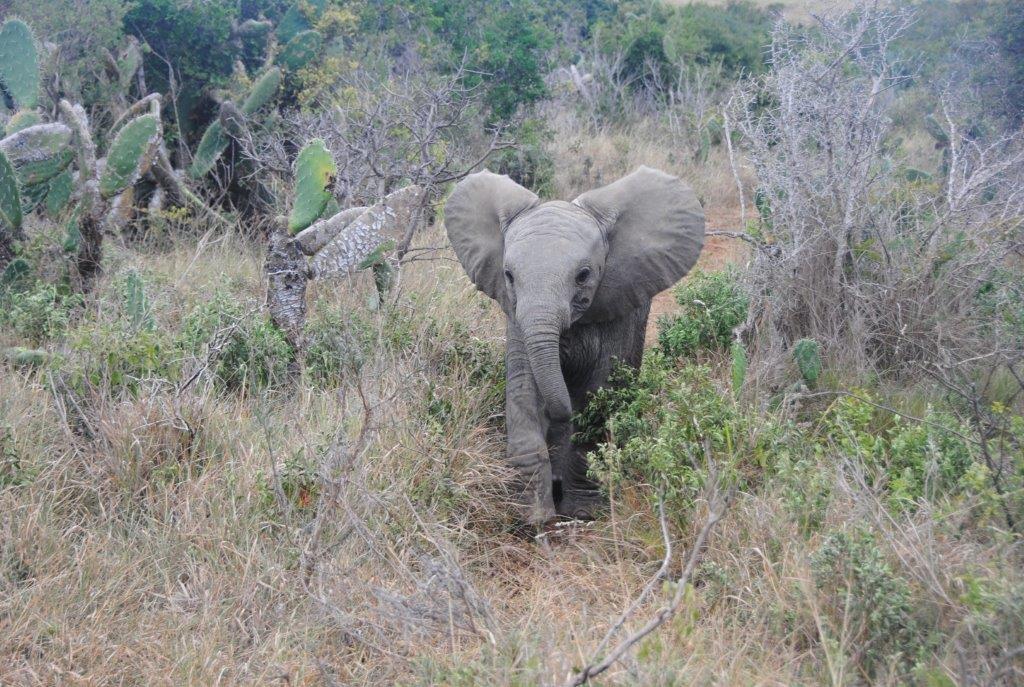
(655, 229)
(476, 216)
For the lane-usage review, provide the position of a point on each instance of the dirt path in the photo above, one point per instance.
(718, 252)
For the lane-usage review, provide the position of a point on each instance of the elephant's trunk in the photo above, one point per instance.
(542, 335)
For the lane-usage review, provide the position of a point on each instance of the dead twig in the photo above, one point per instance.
(717, 507)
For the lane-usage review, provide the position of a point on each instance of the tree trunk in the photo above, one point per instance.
(286, 286)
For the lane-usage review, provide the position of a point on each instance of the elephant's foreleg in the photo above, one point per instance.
(581, 496)
(526, 426)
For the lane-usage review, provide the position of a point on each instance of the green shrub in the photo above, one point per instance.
(711, 305)
(298, 480)
(657, 421)
(245, 348)
(336, 344)
(114, 356)
(914, 460)
(529, 164)
(657, 36)
(867, 601)
(38, 313)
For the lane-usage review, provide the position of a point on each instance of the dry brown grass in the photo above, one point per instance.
(153, 554)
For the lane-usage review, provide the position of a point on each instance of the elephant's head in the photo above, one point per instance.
(552, 264)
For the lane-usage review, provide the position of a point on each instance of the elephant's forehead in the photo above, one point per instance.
(556, 219)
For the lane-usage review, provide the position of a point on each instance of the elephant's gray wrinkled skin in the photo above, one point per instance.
(575, 281)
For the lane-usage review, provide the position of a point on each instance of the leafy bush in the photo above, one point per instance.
(336, 344)
(529, 164)
(298, 481)
(114, 356)
(867, 601)
(914, 459)
(657, 421)
(38, 313)
(247, 350)
(655, 37)
(711, 305)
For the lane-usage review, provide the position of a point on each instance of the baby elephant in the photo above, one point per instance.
(575, 281)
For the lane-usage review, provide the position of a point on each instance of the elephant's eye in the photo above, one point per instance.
(508, 276)
(582, 276)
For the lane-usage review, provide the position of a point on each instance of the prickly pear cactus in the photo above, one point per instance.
(935, 130)
(300, 50)
(10, 198)
(128, 63)
(807, 354)
(19, 63)
(262, 92)
(211, 145)
(387, 222)
(130, 154)
(318, 234)
(314, 177)
(300, 17)
(39, 152)
(22, 119)
(135, 302)
(59, 192)
(739, 366)
(215, 140)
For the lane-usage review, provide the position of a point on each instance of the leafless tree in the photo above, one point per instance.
(882, 269)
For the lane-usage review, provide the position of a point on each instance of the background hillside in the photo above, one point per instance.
(819, 468)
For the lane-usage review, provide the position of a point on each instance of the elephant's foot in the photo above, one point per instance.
(536, 509)
(582, 504)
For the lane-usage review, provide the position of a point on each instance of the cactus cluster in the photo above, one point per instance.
(36, 156)
(317, 242)
(215, 139)
(292, 45)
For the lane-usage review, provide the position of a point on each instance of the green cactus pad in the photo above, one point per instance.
(39, 152)
(130, 154)
(32, 196)
(935, 130)
(739, 366)
(22, 119)
(19, 63)
(16, 274)
(128, 64)
(59, 192)
(807, 354)
(300, 50)
(299, 17)
(314, 176)
(213, 143)
(10, 198)
(263, 91)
